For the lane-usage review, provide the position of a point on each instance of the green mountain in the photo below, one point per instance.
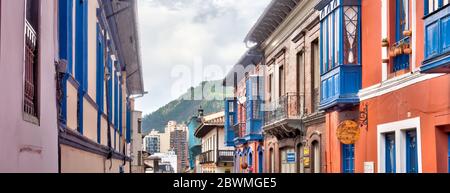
(208, 95)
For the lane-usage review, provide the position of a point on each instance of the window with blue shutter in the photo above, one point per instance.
(411, 152)
(81, 59)
(100, 80)
(348, 158)
(340, 50)
(390, 157)
(402, 24)
(230, 120)
(65, 32)
(437, 31)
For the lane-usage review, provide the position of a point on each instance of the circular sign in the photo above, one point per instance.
(348, 132)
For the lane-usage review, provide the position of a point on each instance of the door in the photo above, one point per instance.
(348, 158)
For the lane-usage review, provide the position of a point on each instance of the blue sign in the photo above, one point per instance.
(291, 157)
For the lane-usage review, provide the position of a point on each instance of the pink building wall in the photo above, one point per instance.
(25, 147)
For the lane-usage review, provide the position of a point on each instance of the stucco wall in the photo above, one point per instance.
(27, 147)
(77, 161)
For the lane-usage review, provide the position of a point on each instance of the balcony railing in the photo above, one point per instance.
(286, 107)
(226, 155)
(240, 130)
(207, 157)
(223, 156)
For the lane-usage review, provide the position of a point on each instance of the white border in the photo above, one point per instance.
(399, 128)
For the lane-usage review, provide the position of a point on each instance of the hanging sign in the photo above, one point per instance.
(348, 132)
(306, 157)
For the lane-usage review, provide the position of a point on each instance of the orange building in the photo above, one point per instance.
(403, 112)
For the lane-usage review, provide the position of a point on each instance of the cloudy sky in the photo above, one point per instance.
(182, 38)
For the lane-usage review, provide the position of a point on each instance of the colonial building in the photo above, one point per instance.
(406, 93)
(72, 69)
(99, 47)
(340, 69)
(243, 113)
(216, 157)
(294, 129)
(28, 114)
(396, 53)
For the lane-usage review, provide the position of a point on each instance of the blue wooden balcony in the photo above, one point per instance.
(254, 108)
(340, 86)
(437, 41)
(340, 52)
(230, 121)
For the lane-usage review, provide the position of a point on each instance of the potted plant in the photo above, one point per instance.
(407, 49)
(398, 50)
(385, 43)
(407, 33)
(392, 52)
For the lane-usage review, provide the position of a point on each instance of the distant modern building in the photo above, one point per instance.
(151, 143)
(137, 165)
(178, 142)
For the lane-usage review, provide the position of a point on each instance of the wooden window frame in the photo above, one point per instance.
(31, 109)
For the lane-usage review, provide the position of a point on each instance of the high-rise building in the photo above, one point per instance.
(178, 143)
(152, 142)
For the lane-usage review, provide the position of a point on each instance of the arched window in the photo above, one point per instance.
(260, 160)
(315, 147)
(300, 167)
(250, 162)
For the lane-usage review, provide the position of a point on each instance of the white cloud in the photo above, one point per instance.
(179, 32)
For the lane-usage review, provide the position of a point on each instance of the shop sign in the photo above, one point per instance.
(348, 132)
(291, 157)
(306, 158)
(369, 167)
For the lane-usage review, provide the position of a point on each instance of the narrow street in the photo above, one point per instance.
(225, 87)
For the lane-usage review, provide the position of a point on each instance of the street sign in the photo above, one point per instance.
(291, 157)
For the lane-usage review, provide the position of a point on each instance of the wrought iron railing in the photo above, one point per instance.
(286, 107)
(31, 49)
(226, 155)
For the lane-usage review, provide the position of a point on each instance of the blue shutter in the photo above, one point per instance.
(261, 160)
(81, 46)
(411, 152)
(128, 132)
(110, 90)
(348, 158)
(390, 156)
(65, 30)
(116, 102)
(448, 147)
(120, 109)
(100, 80)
